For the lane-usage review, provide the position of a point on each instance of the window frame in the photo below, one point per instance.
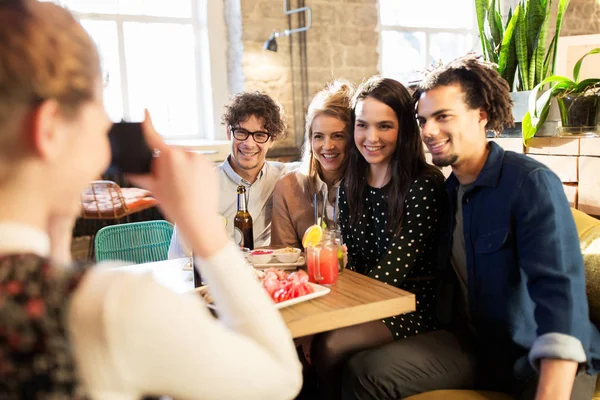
(211, 85)
(428, 31)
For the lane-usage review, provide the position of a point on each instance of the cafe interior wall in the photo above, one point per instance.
(582, 18)
(342, 43)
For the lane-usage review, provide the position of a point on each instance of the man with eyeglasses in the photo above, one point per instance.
(254, 121)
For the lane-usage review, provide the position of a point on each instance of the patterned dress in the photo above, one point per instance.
(407, 260)
(35, 355)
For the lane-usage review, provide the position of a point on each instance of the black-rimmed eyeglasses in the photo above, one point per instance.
(242, 134)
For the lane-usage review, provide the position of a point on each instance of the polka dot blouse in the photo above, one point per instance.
(407, 260)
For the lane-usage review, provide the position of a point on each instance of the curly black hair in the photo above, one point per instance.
(483, 87)
(262, 106)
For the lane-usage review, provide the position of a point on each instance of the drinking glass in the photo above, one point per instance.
(337, 236)
(322, 259)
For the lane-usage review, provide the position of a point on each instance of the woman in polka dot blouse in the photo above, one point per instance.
(390, 205)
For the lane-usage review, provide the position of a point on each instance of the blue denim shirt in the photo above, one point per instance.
(525, 274)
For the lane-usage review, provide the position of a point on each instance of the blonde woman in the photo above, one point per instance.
(322, 169)
(82, 331)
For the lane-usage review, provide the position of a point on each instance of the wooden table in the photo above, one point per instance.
(353, 299)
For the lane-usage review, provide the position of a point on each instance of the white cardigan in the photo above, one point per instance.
(133, 337)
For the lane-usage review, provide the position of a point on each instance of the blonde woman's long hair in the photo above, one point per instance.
(334, 100)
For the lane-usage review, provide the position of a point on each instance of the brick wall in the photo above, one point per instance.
(267, 71)
(582, 18)
(342, 43)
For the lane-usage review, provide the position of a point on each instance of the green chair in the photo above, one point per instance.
(138, 242)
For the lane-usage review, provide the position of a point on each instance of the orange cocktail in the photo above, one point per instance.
(322, 260)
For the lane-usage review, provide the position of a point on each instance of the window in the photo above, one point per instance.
(418, 34)
(153, 56)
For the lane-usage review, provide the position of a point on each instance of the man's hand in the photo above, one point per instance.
(556, 379)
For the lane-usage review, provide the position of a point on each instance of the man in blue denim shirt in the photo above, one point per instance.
(520, 322)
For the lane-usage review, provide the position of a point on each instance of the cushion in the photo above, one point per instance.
(589, 237)
(106, 203)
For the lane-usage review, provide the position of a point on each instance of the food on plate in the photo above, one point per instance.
(280, 285)
(261, 252)
(312, 236)
(261, 256)
(287, 250)
(287, 255)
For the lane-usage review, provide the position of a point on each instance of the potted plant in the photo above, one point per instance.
(518, 44)
(578, 102)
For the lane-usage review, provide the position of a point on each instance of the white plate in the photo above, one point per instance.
(319, 291)
(275, 264)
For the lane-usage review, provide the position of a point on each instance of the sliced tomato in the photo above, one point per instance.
(271, 286)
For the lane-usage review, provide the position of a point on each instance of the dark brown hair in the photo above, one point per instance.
(408, 161)
(483, 87)
(262, 106)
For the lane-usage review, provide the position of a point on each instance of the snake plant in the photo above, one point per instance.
(562, 86)
(519, 46)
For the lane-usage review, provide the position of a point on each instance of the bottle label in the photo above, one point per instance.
(238, 238)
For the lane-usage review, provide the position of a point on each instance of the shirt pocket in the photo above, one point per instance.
(494, 275)
(491, 242)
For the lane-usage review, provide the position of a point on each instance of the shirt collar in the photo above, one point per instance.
(238, 180)
(20, 238)
(320, 184)
(489, 174)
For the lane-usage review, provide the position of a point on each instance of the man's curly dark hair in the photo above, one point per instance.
(483, 87)
(262, 106)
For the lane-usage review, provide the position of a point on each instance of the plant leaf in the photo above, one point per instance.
(540, 107)
(481, 7)
(586, 84)
(521, 46)
(536, 13)
(562, 8)
(533, 97)
(493, 56)
(492, 17)
(577, 67)
(498, 22)
(511, 66)
(540, 52)
(507, 42)
(549, 56)
(527, 128)
(510, 14)
(530, 125)
(507, 65)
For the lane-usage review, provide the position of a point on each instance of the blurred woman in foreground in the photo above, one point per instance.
(70, 331)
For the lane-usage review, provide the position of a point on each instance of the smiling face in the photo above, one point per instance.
(247, 156)
(375, 131)
(453, 132)
(328, 142)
